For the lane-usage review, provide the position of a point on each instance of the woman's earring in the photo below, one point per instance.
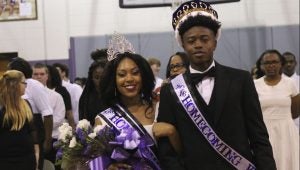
(142, 96)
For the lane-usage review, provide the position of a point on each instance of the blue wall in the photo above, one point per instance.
(237, 47)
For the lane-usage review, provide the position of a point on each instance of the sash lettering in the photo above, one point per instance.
(120, 122)
(188, 103)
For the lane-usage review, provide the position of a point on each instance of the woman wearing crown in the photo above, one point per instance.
(126, 93)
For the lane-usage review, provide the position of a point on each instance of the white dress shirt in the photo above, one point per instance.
(205, 87)
(75, 93)
(37, 96)
(59, 110)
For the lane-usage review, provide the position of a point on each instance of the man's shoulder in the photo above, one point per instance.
(35, 88)
(71, 87)
(230, 71)
(54, 93)
(34, 83)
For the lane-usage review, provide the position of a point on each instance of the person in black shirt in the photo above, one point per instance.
(19, 143)
(89, 103)
(55, 82)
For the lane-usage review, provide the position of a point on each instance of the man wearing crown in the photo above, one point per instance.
(215, 108)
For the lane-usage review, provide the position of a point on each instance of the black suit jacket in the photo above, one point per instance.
(235, 115)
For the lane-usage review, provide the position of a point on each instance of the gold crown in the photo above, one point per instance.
(191, 6)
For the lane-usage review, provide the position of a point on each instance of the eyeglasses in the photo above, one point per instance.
(177, 66)
(270, 62)
(24, 82)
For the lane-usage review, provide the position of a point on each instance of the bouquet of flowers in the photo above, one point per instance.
(86, 144)
(83, 145)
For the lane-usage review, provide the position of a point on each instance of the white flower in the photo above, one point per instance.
(73, 142)
(92, 135)
(98, 128)
(64, 131)
(83, 124)
(63, 127)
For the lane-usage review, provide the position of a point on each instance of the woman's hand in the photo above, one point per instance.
(98, 121)
(162, 129)
(118, 166)
(295, 106)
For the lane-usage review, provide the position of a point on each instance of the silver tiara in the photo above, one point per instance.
(117, 45)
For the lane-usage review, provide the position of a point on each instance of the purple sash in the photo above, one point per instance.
(191, 108)
(121, 119)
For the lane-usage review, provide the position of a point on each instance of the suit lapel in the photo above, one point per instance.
(221, 86)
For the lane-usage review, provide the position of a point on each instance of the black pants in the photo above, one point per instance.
(51, 155)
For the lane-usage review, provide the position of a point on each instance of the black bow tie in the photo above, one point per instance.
(197, 77)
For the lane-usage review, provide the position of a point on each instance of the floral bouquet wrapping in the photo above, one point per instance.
(85, 144)
(130, 148)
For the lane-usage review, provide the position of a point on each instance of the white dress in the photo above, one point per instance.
(283, 134)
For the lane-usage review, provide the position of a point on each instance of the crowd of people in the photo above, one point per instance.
(203, 115)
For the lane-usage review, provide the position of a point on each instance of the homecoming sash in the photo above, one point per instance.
(121, 119)
(189, 105)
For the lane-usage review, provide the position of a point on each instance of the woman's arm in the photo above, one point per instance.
(162, 129)
(37, 154)
(34, 135)
(98, 121)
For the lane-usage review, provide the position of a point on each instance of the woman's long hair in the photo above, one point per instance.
(17, 111)
(88, 89)
(108, 89)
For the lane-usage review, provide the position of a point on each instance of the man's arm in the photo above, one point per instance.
(48, 124)
(70, 118)
(42, 103)
(169, 158)
(257, 131)
(68, 105)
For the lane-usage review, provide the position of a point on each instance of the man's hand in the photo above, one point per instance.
(48, 125)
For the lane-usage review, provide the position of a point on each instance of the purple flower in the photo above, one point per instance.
(59, 154)
(81, 135)
(87, 150)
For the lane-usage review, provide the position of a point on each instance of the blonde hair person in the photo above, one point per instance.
(17, 109)
(18, 145)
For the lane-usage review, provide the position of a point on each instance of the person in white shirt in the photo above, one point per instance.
(38, 98)
(289, 70)
(40, 73)
(74, 89)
